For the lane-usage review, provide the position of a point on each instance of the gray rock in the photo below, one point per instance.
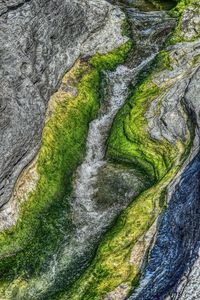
(149, 32)
(190, 22)
(39, 42)
(170, 121)
(170, 272)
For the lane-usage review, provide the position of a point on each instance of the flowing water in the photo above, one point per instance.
(149, 32)
(89, 220)
(89, 223)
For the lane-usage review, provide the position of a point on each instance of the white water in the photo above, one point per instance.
(89, 222)
(95, 147)
(86, 218)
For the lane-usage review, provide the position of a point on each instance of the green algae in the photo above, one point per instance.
(110, 60)
(26, 248)
(111, 266)
(62, 150)
(178, 35)
(130, 142)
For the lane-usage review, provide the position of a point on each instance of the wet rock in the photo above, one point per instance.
(177, 240)
(117, 185)
(170, 273)
(149, 31)
(39, 42)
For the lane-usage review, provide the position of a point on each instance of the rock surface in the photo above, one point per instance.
(39, 42)
(170, 273)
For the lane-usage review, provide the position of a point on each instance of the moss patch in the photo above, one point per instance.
(26, 248)
(130, 142)
(183, 26)
(111, 266)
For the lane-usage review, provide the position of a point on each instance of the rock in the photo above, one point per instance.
(117, 186)
(190, 23)
(172, 120)
(39, 42)
(171, 271)
(149, 31)
(119, 293)
(176, 244)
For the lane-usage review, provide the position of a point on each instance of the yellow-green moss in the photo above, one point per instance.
(26, 248)
(111, 266)
(179, 34)
(182, 5)
(63, 143)
(130, 142)
(130, 139)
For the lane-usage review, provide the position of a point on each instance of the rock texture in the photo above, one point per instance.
(149, 32)
(170, 273)
(39, 42)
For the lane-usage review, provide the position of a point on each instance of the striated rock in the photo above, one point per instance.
(190, 23)
(172, 120)
(169, 273)
(39, 42)
(149, 31)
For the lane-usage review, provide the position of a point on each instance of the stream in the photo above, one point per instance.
(90, 220)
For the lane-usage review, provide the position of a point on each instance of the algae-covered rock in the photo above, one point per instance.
(39, 42)
(99, 183)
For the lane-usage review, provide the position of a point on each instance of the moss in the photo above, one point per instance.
(179, 33)
(63, 143)
(111, 265)
(126, 28)
(26, 248)
(182, 5)
(130, 141)
(163, 61)
(129, 138)
(110, 60)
